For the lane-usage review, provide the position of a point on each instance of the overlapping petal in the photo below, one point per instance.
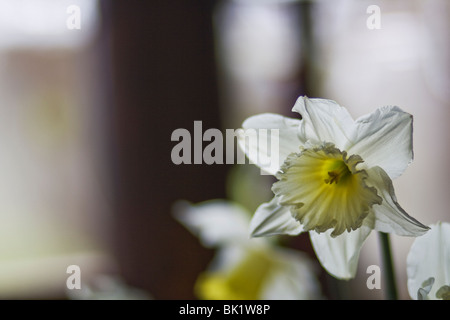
(389, 215)
(383, 138)
(272, 218)
(323, 121)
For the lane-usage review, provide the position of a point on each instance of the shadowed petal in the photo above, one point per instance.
(390, 216)
(271, 219)
(384, 138)
(323, 121)
(339, 255)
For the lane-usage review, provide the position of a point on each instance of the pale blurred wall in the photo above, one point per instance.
(54, 201)
(259, 56)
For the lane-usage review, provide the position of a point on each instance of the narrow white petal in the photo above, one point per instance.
(339, 255)
(429, 257)
(389, 215)
(384, 138)
(214, 222)
(259, 150)
(272, 219)
(323, 121)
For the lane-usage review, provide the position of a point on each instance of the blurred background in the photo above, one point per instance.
(90, 98)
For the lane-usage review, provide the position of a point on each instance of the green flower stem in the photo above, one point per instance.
(388, 267)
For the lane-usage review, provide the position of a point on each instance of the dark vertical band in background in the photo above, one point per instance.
(163, 78)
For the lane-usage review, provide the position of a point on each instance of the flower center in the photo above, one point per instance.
(325, 190)
(338, 170)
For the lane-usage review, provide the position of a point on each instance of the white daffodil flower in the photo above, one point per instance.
(243, 268)
(428, 264)
(334, 178)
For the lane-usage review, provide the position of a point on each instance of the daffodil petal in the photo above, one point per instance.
(323, 121)
(295, 277)
(389, 215)
(258, 150)
(214, 222)
(384, 138)
(339, 255)
(272, 219)
(429, 257)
